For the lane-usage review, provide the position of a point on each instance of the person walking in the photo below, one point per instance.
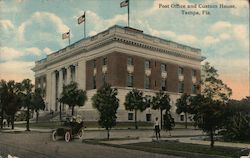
(157, 129)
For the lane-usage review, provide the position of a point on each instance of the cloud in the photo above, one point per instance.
(7, 53)
(47, 50)
(17, 70)
(240, 32)
(102, 23)
(42, 18)
(208, 40)
(6, 24)
(191, 39)
(221, 25)
(34, 51)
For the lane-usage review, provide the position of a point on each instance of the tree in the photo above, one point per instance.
(3, 92)
(168, 121)
(209, 108)
(208, 115)
(213, 87)
(182, 105)
(37, 102)
(161, 101)
(10, 100)
(236, 125)
(73, 96)
(26, 97)
(106, 102)
(134, 100)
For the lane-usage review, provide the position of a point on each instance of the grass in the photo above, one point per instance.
(178, 149)
(184, 149)
(88, 124)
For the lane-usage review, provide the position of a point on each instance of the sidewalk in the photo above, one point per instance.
(192, 140)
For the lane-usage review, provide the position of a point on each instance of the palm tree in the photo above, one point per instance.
(161, 101)
(73, 96)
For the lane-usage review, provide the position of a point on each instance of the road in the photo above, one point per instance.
(40, 145)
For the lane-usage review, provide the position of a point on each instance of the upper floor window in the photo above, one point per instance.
(105, 61)
(130, 61)
(163, 85)
(94, 63)
(181, 87)
(147, 64)
(130, 80)
(163, 67)
(104, 78)
(193, 73)
(180, 70)
(194, 89)
(147, 82)
(94, 82)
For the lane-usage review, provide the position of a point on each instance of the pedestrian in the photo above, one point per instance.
(157, 129)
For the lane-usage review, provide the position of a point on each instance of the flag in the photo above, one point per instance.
(65, 35)
(124, 3)
(81, 19)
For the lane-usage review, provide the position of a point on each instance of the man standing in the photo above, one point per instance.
(157, 128)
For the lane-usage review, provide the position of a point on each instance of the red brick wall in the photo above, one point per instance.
(117, 73)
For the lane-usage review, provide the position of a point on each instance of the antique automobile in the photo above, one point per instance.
(70, 129)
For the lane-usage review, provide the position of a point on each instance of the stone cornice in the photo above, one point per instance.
(123, 36)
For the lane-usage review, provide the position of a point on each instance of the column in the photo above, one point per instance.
(60, 83)
(76, 73)
(68, 75)
(48, 90)
(53, 90)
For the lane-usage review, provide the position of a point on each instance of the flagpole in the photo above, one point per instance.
(69, 37)
(128, 13)
(84, 25)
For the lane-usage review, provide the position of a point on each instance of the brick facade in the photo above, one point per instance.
(117, 73)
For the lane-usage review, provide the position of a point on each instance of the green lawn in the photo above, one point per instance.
(88, 124)
(185, 149)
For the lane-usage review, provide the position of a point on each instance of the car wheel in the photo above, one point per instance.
(67, 136)
(54, 137)
(81, 133)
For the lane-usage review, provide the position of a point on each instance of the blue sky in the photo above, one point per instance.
(32, 29)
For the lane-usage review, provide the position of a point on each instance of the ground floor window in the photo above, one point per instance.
(148, 117)
(182, 117)
(130, 116)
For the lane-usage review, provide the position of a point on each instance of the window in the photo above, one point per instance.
(194, 73)
(94, 82)
(180, 71)
(130, 61)
(147, 64)
(163, 67)
(104, 78)
(163, 85)
(130, 116)
(148, 117)
(130, 80)
(147, 82)
(105, 60)
(181, 87)
(94, 63)
(182, 117)
(193, 89)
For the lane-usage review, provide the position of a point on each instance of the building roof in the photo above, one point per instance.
(130, 36)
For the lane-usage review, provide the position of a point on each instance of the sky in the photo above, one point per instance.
(32, 29)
